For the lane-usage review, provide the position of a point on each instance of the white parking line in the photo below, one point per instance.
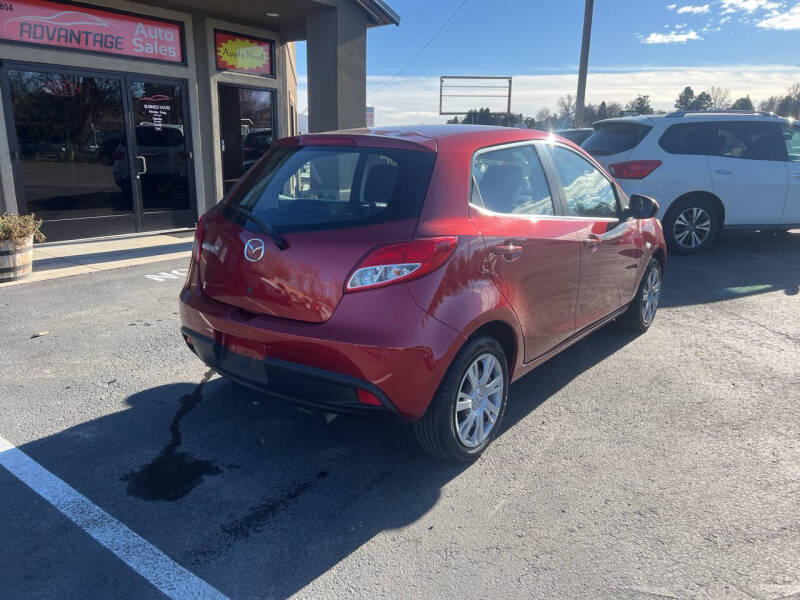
(141, 556)
(165, 275)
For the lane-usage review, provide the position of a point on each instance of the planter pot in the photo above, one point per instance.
(16, 262)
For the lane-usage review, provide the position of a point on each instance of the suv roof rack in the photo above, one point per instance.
(683, 113)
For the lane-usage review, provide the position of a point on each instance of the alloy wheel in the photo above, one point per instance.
(480, 397)
(692, 227)
(651, 293)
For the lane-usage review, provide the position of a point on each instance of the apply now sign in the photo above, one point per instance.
(83, 28)
(243, 53)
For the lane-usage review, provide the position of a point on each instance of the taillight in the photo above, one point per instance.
(197, 247)
(634, 169)
(394, 263)
(366, 398)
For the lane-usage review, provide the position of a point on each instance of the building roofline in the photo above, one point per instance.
(380, 11)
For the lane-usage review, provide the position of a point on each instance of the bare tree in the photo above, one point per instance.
(720, 98)
(566, 108)
(613, 109)
(770, 104)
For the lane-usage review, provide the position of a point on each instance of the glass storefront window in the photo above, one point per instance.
(69, 131)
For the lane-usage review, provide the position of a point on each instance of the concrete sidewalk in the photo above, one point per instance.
(62, 259)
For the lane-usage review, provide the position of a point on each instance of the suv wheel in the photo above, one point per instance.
(465, 414)
(691, 225)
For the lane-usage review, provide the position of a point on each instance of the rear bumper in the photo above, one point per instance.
(378, 341)
(291, 381)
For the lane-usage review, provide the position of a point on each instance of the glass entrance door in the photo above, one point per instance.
(246, 117)
(160, 153)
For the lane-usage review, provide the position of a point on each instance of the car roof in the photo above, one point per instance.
(431, 137)
(690, 116)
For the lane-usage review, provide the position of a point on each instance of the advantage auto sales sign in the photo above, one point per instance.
(81, 28)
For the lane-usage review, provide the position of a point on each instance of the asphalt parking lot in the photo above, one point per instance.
(666, 465)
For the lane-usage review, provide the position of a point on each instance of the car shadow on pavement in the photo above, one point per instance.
(736, 265)
(258, 497)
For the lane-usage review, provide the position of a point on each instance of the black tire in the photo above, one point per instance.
(708, 222)
(634, 319)
(436, 430)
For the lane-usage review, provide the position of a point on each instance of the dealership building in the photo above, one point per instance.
(122, 117)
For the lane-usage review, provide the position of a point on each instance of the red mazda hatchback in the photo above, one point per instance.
(417, 271)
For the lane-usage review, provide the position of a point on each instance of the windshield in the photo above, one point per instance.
(313, 187)
(611, 138)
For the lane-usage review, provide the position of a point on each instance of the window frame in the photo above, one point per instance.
(561, 209)
(552, 184)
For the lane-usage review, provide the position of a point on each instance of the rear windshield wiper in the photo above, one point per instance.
(276, 237)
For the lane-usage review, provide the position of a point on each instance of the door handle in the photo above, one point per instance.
(592, 242)
(723, 172)
(509, 251)
(141, 165)
(796, 175)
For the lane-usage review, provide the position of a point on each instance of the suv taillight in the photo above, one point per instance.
(394, 263)
(634, 169)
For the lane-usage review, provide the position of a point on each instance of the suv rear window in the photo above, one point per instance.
(614, 137)
(319, 187)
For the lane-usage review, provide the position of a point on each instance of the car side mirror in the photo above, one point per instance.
(641, 207)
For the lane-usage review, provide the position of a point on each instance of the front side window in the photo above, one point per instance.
(749, 140)
(511, 181)
(791, 135)
(586, 190)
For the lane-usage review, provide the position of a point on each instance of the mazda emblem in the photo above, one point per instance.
(254, 250)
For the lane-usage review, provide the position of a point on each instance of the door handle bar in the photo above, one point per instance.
(592, 241)
(723, 172)
(143, 170)
(510, 252)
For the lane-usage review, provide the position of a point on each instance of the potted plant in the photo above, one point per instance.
(16, 245)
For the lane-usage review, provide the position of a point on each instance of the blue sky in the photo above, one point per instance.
(653, 46)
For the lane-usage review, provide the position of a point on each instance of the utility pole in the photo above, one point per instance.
(584, 66)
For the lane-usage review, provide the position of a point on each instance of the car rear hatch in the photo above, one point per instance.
(329, 201)
(613, 141)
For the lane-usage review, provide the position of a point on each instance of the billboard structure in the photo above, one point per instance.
(459, 94)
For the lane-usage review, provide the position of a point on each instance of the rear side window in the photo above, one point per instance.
(511, 181)
(318, 187)
(791, 136)
(587, 191)
(687, 138)
(749, 140)
(615, 137)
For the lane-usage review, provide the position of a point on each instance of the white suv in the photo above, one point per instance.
(708, 170)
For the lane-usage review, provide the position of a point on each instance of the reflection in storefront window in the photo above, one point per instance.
(68, 130)
(246, 128)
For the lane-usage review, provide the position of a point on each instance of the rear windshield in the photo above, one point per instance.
(611, 138)
(319, 187)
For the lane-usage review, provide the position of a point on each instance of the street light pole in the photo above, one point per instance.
(584, 65)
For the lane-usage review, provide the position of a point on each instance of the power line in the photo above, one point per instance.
(421, 50)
